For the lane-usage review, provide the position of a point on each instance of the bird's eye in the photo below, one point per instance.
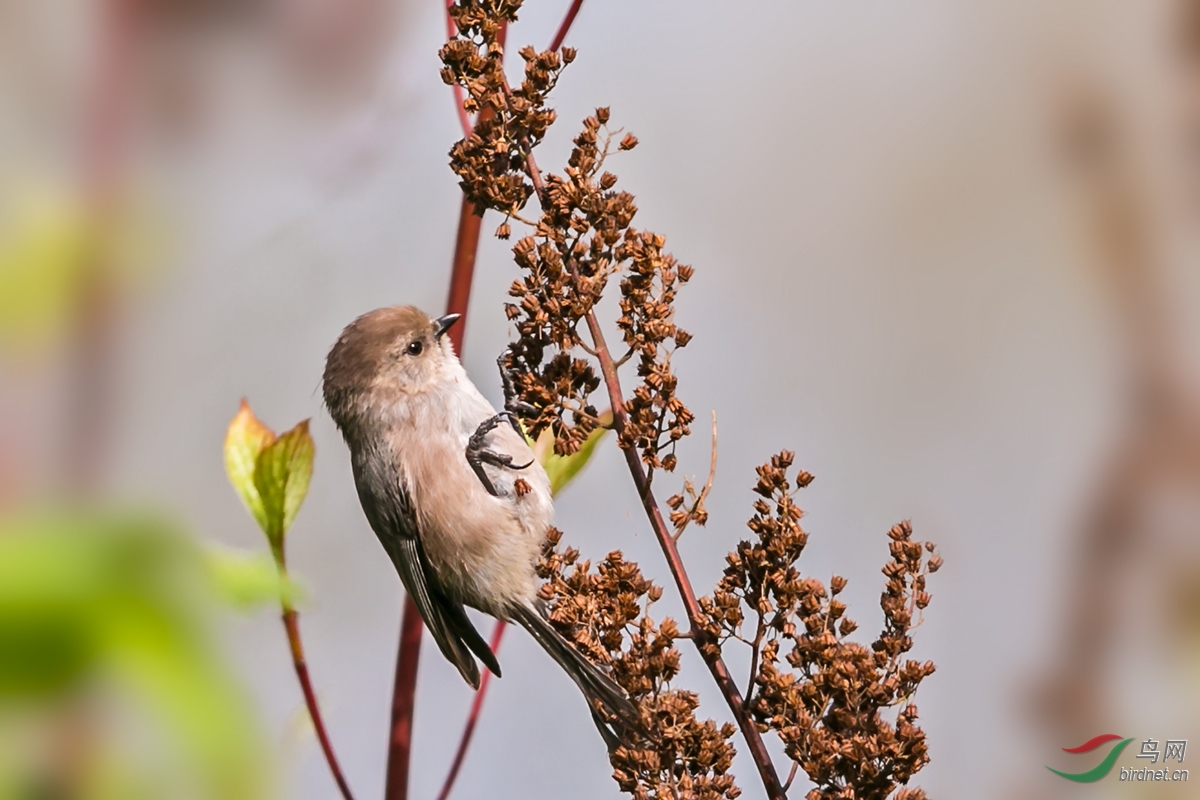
(414, 348)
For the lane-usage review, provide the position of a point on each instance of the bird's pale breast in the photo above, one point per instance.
(481, 547)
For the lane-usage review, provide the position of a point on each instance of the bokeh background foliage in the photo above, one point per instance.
(110, 683)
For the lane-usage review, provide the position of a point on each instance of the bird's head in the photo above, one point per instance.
(383, 356)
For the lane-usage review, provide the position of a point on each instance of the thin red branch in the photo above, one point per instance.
(466, 247)
(716, 665)
(404, 690)
(404, 696)
(462, 273)
(566, 24)
(472, 717)
(755, 653)
(720, 672)
(791, 775)
(291, 624)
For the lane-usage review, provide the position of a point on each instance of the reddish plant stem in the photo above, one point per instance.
(472, 717)
(404, 694)
(291, 623)
(462, 273)
(566, 24)
(404, 690)
(466, 247)
(716, 665)
(791, 775)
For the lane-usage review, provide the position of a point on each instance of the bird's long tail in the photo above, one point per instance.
(614, 713)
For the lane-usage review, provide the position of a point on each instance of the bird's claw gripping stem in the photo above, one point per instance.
(478, 454)
(513, 404)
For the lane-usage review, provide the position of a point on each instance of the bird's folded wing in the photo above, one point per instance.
(394, 522)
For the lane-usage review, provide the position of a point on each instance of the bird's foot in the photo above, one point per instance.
(513, 404)
(478, 454)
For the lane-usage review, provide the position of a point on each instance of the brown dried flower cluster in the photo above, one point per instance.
(606, 613)
(567, 265)
(825, 696)
(658, 419)
(827, 701)
(492, 161)
(582, 236)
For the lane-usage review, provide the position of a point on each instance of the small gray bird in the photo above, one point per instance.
(453, 492)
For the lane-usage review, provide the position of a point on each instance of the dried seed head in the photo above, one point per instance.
(605, 612)
(823, 695)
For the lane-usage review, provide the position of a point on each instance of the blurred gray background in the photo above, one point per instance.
(941, 250)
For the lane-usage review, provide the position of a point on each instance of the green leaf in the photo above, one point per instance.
(245, 440)
(281, 475)
(563, 469)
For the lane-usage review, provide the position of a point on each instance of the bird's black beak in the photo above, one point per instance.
(442, 324)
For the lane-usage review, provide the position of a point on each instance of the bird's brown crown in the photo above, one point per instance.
(398, 340)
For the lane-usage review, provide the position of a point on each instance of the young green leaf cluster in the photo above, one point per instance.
(270, 472)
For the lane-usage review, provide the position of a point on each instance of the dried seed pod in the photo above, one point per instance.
(823, 695)
(605, 611)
